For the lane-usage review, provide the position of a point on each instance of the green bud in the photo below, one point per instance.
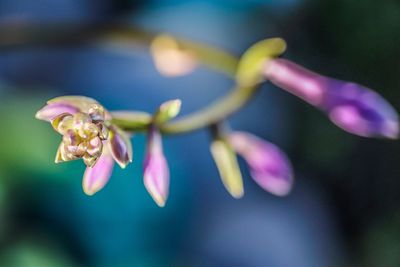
(228, 167)
(167, 111)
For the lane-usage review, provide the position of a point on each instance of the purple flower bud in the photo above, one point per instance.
(269, 166)
(96, 177)
(156, 172)
(120, 146)
(51, 111)
(350, 106)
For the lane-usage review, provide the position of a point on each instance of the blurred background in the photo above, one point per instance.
(345, 206)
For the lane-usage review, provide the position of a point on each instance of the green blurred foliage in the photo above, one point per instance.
(26, 142)
(381, 245)
(365, 36)
(34, 254)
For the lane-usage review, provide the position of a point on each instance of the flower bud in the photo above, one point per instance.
(88, 133)
(96, 177)
(167, 111)
(120, 146)
(228, 167)
(350, 106)
(156, 171)
(269, 166)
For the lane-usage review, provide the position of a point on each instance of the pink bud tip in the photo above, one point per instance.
(120, 146)
(96, 177)
(51, 111)
(269, 166)
(156, 171)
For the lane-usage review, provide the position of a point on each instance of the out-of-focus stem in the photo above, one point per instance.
(24, 35)
(212, 113)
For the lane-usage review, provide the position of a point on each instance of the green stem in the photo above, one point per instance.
(212, 113)
(28, 35)
(38, 35)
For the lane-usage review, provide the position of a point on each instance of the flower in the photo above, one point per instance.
(269, 166)
(88, 134)
(350, 106)
(156, 171)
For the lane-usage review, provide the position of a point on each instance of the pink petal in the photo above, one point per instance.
(269, 166)
(96, 177)
(50, 111)
(156, 171)
(120, 146)
(297, 80)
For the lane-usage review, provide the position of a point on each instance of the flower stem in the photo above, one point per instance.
(212, 113)
(27, 35)
(24, 35)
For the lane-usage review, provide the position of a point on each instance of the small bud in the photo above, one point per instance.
(156, 172)
(96, 177)
(228, 167)
(167, 111)
(269, 166)
(120, 146)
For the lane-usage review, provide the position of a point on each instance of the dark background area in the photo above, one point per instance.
(345, 206)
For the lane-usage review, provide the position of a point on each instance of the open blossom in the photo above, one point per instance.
(350, 106)
(156, 171)
(269, 166)
(87, 133)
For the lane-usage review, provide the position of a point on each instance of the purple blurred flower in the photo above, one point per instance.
(87, 134)
(350, 106)
(269, 166)
(156, 171)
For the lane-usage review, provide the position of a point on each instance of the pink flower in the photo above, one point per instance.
(96, 177)
(156, 171)
(350, 106)
(89, 135)
(269, 166)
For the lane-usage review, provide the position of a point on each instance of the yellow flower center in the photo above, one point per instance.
(83, 135)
